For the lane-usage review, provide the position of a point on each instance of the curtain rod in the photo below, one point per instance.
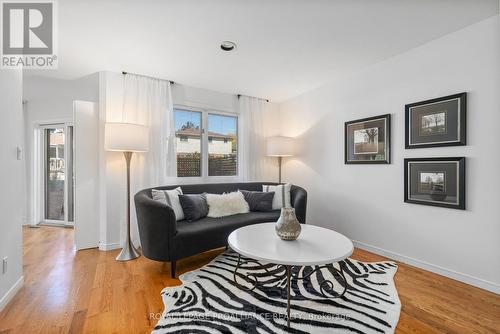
(239, 95)
(147, 76)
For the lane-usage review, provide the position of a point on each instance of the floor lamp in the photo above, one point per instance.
(280, 147)
(127, 138)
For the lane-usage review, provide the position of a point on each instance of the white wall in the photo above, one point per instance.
(12, 202)
(51, 100)
(112, 189)
(202, 98)
(366, 201)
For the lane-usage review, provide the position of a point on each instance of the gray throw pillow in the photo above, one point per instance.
(194, 206)
(258, 200)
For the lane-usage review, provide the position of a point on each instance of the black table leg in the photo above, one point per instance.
(253, 277)
(288, 278)
(326, 286)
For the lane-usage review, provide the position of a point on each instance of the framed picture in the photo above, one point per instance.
(437, 122)
(368, 140)
(435, 181)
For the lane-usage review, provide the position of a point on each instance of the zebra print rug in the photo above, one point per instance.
(209, 301)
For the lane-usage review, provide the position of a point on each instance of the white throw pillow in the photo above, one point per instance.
(170, 198)
(281, 197)
(226, 204)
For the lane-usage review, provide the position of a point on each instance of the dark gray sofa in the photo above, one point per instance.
(165, 239)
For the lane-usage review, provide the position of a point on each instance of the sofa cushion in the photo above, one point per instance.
(258, 200)
(194, 206)
(229, 223)
(207, 233)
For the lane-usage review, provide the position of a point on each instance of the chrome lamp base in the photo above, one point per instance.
(129, 252)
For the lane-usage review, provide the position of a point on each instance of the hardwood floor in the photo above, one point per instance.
(89, 292)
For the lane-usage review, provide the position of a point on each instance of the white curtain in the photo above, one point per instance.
(148, 101)
(254, 164)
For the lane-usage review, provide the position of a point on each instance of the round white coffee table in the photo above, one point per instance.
(316, 246)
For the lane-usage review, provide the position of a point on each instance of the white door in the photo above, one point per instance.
(86, 167)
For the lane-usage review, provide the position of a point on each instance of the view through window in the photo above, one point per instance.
(59, 196)
(222, 145)
(220, 141)
(55, 177)
(188, 137)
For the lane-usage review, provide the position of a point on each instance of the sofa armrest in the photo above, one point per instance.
(157, 225)
(299, 202)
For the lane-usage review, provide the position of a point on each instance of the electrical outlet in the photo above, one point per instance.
(4, 265)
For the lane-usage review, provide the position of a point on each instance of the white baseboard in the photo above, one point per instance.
(11, 293)
(116, 245)
(110, 246)
(465, 278)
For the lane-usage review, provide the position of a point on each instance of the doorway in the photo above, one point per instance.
(55, 168)
(65, 186)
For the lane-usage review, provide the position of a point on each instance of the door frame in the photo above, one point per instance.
(39, 172)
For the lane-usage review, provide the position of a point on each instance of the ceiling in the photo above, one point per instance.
(284, 47)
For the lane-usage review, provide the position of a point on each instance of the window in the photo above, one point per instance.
(188, 137)
(222, 150)
(210, 152)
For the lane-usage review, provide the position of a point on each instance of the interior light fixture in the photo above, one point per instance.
(228, 46)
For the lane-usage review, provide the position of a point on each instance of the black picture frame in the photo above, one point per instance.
(460, 182)
(460, 129)
(369, 158)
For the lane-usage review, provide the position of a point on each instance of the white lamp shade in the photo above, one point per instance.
(126, 137)
(280, 146)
